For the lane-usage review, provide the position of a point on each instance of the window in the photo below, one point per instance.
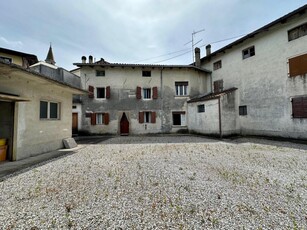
(74, 106)
(297, 65)
(147, 117)
(181, 88)
(297, 32)
(218, 86)
(6, 60)
(179, 118)
(146, 73)
(243, 110)
(299, 107)
(100, 92)
(249, 52)
(99, 118)
(147, 93)
(217, 65)
(201, 108)
(100, 73)
(49, 110)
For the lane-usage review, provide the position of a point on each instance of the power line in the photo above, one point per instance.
(173, 57)
(226, 39)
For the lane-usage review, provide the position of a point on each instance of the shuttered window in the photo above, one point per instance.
(147, 117)
(138, 92)
(299, 107)
(155, 92)
(100, 118)
(218, 86)
(298, 65)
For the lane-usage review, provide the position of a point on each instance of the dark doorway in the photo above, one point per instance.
(7, 126)
(124, 125)
(74, 123)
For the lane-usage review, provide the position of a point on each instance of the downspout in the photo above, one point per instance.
(161, 96)
(220, 118)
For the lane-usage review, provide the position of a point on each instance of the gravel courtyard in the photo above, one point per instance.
(169, 182)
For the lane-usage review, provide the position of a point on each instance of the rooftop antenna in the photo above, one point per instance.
(192, 41)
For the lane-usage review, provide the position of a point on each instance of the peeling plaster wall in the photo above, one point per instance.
(263, 83)
(123, 82)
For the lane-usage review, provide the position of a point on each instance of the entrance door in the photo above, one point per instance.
(74, 123)
(7, 126)
(124, 125)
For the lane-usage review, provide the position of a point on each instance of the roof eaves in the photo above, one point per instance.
(212, 96)
(141, 65)
(265, 28)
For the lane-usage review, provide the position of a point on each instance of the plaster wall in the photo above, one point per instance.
(33, 135)
(123, 82)
(263, 83)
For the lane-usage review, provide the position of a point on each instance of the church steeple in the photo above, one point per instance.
(50, 58)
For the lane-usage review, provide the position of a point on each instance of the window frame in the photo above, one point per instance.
(301, 31)
(251, 51)
(98, 121)
(181, 115)
(217, 65)
(104, 92)
(100, 73)
(243, 110)
(49, 110)
(201, 108)
(181, 88)
(148, 94)
(146, 73)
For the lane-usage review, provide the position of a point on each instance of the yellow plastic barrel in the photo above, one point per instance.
(2, 141)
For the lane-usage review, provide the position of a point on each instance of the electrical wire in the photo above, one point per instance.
(214, 42)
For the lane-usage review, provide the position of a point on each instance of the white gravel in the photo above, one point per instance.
(168, 182)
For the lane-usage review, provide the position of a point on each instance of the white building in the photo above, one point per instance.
(259, 83)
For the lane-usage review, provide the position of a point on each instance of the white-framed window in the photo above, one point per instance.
(147, 117)
(249, 52)
(179, 118)
(100, 73)
(181, 88)
(49, 110)
(100, 92)
(147, 93)
(99, 118)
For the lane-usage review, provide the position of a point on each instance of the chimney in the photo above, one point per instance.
(90, 59)
(208, 50)
(83, 59)
(197, 57)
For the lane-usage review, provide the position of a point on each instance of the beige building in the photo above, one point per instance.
(35, 109)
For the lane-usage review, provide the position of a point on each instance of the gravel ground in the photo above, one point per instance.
(182, 182)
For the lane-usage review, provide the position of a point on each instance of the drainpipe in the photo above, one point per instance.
(220, 118)
(161, 96)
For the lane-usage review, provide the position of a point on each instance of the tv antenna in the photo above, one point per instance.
(192, 41)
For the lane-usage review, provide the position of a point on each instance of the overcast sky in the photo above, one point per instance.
(130, 31)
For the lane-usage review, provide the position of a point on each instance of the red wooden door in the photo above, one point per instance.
(74, 123)
(124, 125)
